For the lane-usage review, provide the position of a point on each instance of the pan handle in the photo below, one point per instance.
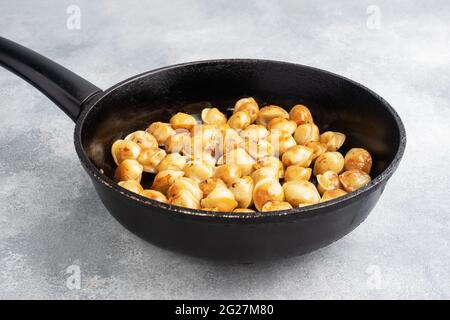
(68, 90)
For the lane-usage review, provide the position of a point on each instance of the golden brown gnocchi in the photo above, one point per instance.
(264, 159)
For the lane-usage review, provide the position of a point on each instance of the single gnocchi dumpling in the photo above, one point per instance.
(213, 116)
(182, 120)
(281, 142)
(327, 181)
(185, 183)
(269, 112)
(240, 120)
(358, 158)
(125, 150)
(332, 194)
(241, 158)
(273, 162)
(329, 161)
(297, 155)
(354, 179)
(185, 199)
(198, 170)
(296, 172)
(228, 173)
(151, 158)
(164, 179)
(333, 140)
(208, 185)
(282, 124)
(161, 131)
(143, 139)
(131, 185)
(154, 195)
(276, 206)
(247, 104)
(300, 114)
(221, 198)
(242, 190)
(300, 193)
(172, 161)
(307, 132)
(266, 190)
(129, 170)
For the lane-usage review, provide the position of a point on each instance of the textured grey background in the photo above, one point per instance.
(50, 217)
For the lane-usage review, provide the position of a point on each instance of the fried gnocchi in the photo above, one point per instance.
(257, 158)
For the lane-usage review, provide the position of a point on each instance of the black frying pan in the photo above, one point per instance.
(103, 116)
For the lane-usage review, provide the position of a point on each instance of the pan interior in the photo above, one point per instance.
(336, 104)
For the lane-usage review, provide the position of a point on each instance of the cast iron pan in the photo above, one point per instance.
(103, 116)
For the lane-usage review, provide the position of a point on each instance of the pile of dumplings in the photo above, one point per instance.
(263, 159)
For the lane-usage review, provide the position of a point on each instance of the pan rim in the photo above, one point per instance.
(298, 213)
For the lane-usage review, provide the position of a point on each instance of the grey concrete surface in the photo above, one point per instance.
(51, 219)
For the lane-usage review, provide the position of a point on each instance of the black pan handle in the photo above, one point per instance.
(68, 90)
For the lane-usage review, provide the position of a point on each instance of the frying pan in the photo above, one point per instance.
(101, 117)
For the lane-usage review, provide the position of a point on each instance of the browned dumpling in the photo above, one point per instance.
(307, 132)
(143, 139)
(281, 142)
(243, 210)
(318, 148)
(329, 180)
(242, 190)
(265, 172)
(213, 116)
(273, 162)
(259, 148)
(180, 142)
(282, 124)
(185, 199)
(198, 170)
(129, 170)
(329, 161)
(300, 193)
(300, 114)
(208, 185)
(354, 179)
(228, 173)
(161, 131)
(125, 150)
(276, 206)
(154, 195)
(332, 194)
(269, 112)
(358, 158)
(296, 172)
(182, 121)
(131, 185)
(254, 132)
(172, 161)
(247, 104)
(151, 158)
(333, 140)
(164, 179)
(297, 155)
(185, 183)
(240, 120)
(241, 158)
(266, 190)
(221, 198)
